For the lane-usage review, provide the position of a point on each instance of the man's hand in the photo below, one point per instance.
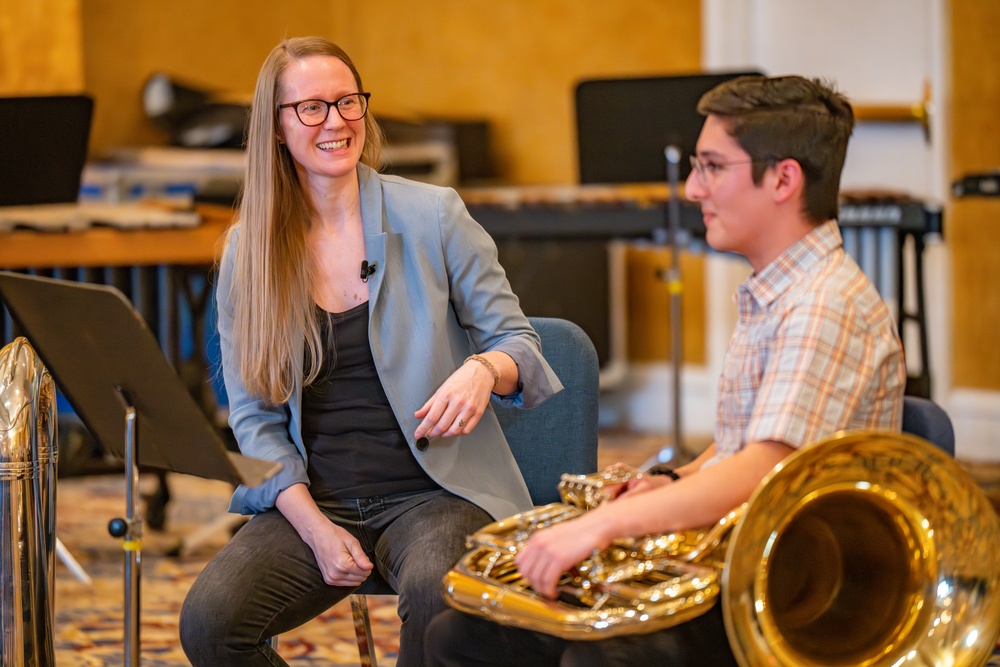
(634, 485)
(554, 550)
(643, 483)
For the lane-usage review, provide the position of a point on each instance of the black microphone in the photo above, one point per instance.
(367, 270)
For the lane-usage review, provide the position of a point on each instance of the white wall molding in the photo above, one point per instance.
(649, 395)
(975, 414)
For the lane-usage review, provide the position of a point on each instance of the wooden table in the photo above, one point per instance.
(106, 246)
(164, 271)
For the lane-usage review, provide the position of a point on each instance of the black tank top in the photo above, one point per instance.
(355, 446)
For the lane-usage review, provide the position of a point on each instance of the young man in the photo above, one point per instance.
(815, 351)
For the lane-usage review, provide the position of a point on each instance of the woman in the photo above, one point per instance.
(365, 324)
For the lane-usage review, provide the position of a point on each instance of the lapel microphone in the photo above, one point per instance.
(367, 270)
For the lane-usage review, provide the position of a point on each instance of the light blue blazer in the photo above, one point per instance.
(438, 294)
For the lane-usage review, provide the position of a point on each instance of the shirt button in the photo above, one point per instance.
(423, 444)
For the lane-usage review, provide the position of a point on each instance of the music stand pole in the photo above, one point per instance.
(131, 530)
(676, 287)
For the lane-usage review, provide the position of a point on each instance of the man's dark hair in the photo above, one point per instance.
(778, 118)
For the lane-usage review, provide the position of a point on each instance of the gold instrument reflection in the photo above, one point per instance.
(861, 549)
(28, 457)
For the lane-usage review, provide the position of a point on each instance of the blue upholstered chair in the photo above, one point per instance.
(556, 437)
(928, 420)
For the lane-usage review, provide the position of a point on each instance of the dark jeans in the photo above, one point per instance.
(455, 639)
(265, 581)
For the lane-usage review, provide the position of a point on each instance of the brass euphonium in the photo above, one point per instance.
(28, 456)
(870, 549)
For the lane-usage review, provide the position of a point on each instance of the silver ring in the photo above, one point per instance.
(461, 423)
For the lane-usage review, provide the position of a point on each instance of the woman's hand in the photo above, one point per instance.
(458, 404)
(340, 557)
(338, 554)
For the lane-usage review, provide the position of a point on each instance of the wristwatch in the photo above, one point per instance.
(663, 469)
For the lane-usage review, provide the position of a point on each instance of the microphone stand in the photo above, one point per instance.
(675, 286)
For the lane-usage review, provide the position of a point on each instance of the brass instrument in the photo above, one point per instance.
(861, 549)
(28, 456)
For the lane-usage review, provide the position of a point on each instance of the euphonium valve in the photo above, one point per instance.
(863, 549)
(28, 455)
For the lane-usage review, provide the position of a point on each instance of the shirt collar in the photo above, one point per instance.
(793, 264)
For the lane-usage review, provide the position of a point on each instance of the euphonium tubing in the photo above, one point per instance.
(634, 586)
(870, 549)
(28, 456)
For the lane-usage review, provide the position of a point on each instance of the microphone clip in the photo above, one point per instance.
(367, 270)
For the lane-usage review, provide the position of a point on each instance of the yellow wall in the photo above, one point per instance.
(216, 45)
(972, 226)
(40, 47)
(514, 63)
(648, 299)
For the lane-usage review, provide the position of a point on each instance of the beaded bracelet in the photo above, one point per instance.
(486, 362)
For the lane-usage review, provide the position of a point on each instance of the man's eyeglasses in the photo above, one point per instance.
(315, 112)
(707, 170)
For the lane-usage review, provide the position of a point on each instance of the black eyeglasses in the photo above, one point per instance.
(314, 112)
(706, 170)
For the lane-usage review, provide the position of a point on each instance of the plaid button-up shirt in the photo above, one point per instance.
(815, 351)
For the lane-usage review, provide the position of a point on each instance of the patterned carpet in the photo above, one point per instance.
(89, 621)
(89, 618)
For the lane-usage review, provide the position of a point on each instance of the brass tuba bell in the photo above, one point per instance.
(28, 457)
(863, 549)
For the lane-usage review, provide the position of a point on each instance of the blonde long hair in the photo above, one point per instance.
(271, 294)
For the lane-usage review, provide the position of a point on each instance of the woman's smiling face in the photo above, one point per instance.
(332, 149)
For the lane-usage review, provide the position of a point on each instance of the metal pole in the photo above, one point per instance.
(675, 287)
(132, 532)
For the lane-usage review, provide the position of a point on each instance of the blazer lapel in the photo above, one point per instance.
(375, 235)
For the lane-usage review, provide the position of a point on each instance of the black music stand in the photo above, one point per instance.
(43, 161)
(661, 111)
(111, 369)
